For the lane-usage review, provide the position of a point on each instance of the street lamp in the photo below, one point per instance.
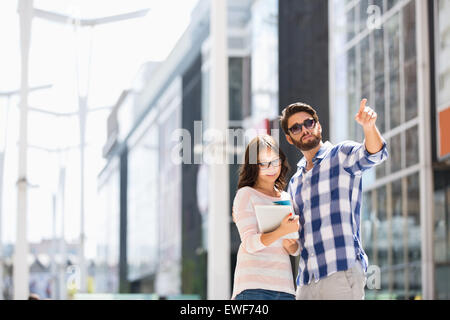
(3, 142)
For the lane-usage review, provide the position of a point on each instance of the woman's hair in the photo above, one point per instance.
(249, 170)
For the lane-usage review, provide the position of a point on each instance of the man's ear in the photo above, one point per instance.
(319, 127)
(288, 138)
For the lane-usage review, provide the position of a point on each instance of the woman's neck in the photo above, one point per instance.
(266, 187)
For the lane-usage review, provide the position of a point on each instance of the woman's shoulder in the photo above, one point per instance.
(242, 199)
(243, 192)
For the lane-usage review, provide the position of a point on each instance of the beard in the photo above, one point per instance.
(310, 144)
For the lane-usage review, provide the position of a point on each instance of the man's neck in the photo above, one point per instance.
(310, 154)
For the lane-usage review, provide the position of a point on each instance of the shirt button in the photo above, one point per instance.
(312, 254)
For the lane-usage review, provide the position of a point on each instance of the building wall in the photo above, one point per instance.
(303, 62)
(440, 27)
(379, 62)
(193, 259)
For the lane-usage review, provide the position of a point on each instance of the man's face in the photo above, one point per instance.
(307, 139)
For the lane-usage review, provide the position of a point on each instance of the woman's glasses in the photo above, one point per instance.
(298, 127)
(273, 163)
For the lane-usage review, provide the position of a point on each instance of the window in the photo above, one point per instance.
(380, 64)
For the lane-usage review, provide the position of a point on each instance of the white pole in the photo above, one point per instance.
(21, 271)
(2, 157)
(426, 168)
(3, 123)
(81, 262)
(62, 240)
(53, 269)
(85, 40)
(219, 207)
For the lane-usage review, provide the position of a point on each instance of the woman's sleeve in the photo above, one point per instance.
(245, 219)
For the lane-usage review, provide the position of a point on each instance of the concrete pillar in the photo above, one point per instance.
(219, 206)
(425, 153)
(20, 263)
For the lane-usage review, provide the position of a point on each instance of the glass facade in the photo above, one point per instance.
(106, 277)
(264, 55)
(142, 202)
(378, 62)
(442, 8)
(154, 199)
(168, 280)
(442, 178)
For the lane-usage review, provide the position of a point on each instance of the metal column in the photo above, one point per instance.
(219, 207)
(21, 271)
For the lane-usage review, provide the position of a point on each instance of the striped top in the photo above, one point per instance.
(258, 266)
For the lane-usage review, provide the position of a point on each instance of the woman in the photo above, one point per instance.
(263, 268)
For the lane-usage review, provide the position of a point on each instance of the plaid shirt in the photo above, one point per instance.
(328, 200)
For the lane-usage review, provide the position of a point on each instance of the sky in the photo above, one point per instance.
(114, 53)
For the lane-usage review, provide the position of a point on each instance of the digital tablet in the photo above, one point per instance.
(269, 218)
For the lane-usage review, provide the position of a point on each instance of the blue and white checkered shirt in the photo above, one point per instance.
(328, 200)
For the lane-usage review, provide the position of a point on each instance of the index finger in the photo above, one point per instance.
(362, 105)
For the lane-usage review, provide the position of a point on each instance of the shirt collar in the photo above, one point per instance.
(319, 155)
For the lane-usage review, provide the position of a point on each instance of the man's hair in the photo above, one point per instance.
(293, 109)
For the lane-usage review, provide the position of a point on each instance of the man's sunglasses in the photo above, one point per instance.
(298, 127)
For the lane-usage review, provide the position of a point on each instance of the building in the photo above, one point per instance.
(328, 53)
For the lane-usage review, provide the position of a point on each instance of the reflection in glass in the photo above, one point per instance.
(350, 19)
(352, 102)
(375, 70)
(366, 225)
(443, 72)
(393, 35)
(107, 257)
(379, 105)
(391, 4)
(380, 170)
(365, 63)
(379, 102)
(413, 269)
(235, 88)
(412, 146)
(442, 237)
(396, 153)
(382, 237)
(363, 5)
(397, 238)
(142, 223)
(440, 244)
(410, 90)
(409, 31)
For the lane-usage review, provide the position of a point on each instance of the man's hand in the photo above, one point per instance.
(366, 116)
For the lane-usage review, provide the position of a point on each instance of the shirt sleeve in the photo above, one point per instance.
(292, 197)
(245, 219)
(356, 158)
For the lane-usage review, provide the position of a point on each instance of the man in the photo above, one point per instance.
(326, 193)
